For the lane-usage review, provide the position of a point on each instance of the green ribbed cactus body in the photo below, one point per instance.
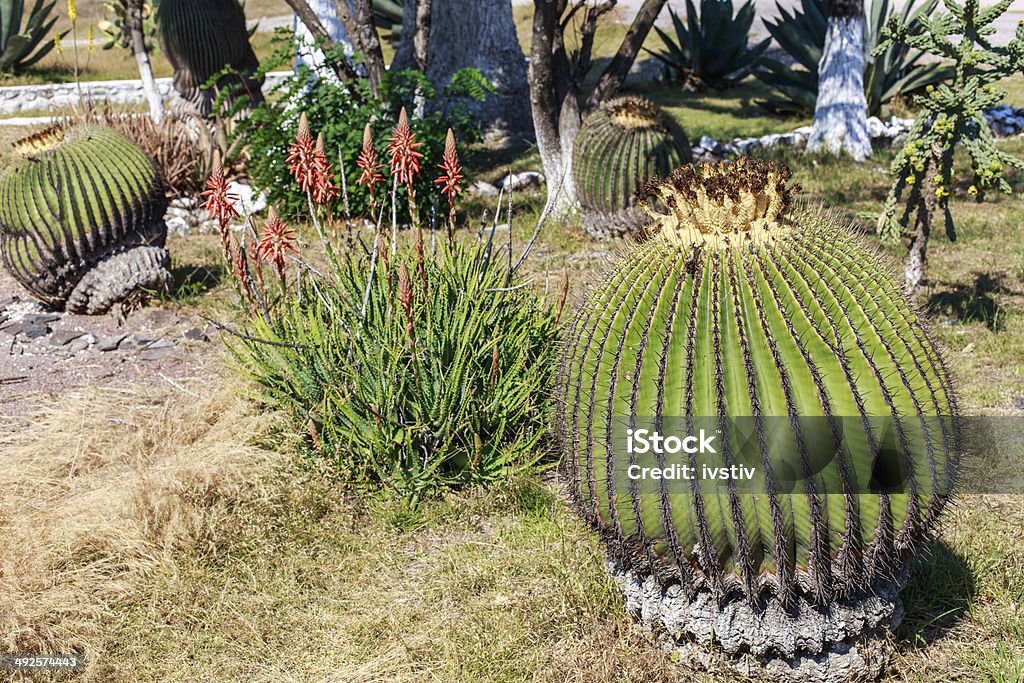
(620, 146)
(73, 202)
(200, 39)
(742, 308)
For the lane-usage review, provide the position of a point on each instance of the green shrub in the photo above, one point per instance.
(443, 382)
(894, 71)
(711, 49)
(340, 113)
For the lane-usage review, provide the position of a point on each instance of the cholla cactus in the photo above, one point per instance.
(201, 38)
(949, 115)
(778, 333)
(621, 145)
(81, 219)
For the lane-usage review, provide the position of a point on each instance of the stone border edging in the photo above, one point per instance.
(16, 99)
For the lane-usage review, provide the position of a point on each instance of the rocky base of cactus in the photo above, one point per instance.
(804, 643)
(616, 225)
(121, 279)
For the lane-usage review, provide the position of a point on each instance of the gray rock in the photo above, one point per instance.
(35, 331)
(111, 343)
(521, 182)
(152, 354)
(196, 334)
(248, 201)
(65, 338)
(482, 189)
(27, 330)
(40, 318)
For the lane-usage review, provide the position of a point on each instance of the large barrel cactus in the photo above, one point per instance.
(620, 146)
(81, 219)
(776, 340)
(201, 38)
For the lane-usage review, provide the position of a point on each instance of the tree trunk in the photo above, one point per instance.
(841, 112)
(356, 17)
(917, 253)
(476, 34)
(555, 105)
(156, 104)
(306, 53)
(555, 80)
(306, 19)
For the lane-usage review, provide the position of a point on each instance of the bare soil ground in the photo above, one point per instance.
(45, 354)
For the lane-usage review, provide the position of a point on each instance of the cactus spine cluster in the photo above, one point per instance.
(201, 38)
(81, 219)
(620, 146)
(743, 305)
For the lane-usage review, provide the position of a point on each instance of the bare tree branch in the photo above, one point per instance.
(363, 34)
(341, 65)
(617, 70)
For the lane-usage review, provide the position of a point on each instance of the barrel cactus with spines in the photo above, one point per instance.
(81, 219)
(201, 38)
(780, 334)
(620, 146)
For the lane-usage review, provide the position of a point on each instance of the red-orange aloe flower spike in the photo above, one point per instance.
(276, 240)
(404, 151)
(302, 156)
(220, 202)
(324, 189)
(451, 171)
(451, 178)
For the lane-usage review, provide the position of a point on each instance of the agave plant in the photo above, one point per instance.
(207, 39)
(771, 328)
(20, 49)
(387, 15)
(801, 34)
(711, 49)
(622, 144)
(81, 219)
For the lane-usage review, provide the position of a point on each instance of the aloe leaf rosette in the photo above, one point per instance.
(812, 411)
(619, 147)
(81, 219)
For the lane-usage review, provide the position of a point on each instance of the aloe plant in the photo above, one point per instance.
(776, 330)
(801, 34)
(81, 219)
(621, 145)
(711, 50)
(22, 48)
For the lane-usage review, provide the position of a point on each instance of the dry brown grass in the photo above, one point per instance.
(99, 493)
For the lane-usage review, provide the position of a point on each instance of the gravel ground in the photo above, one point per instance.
(45, 353)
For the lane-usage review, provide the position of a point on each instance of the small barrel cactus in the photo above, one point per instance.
(201, 38)
(772, 329)
(81, 219)
(620, 146)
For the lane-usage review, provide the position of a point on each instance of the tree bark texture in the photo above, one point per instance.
(460, 34)
(156, 104)
(841, 111)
